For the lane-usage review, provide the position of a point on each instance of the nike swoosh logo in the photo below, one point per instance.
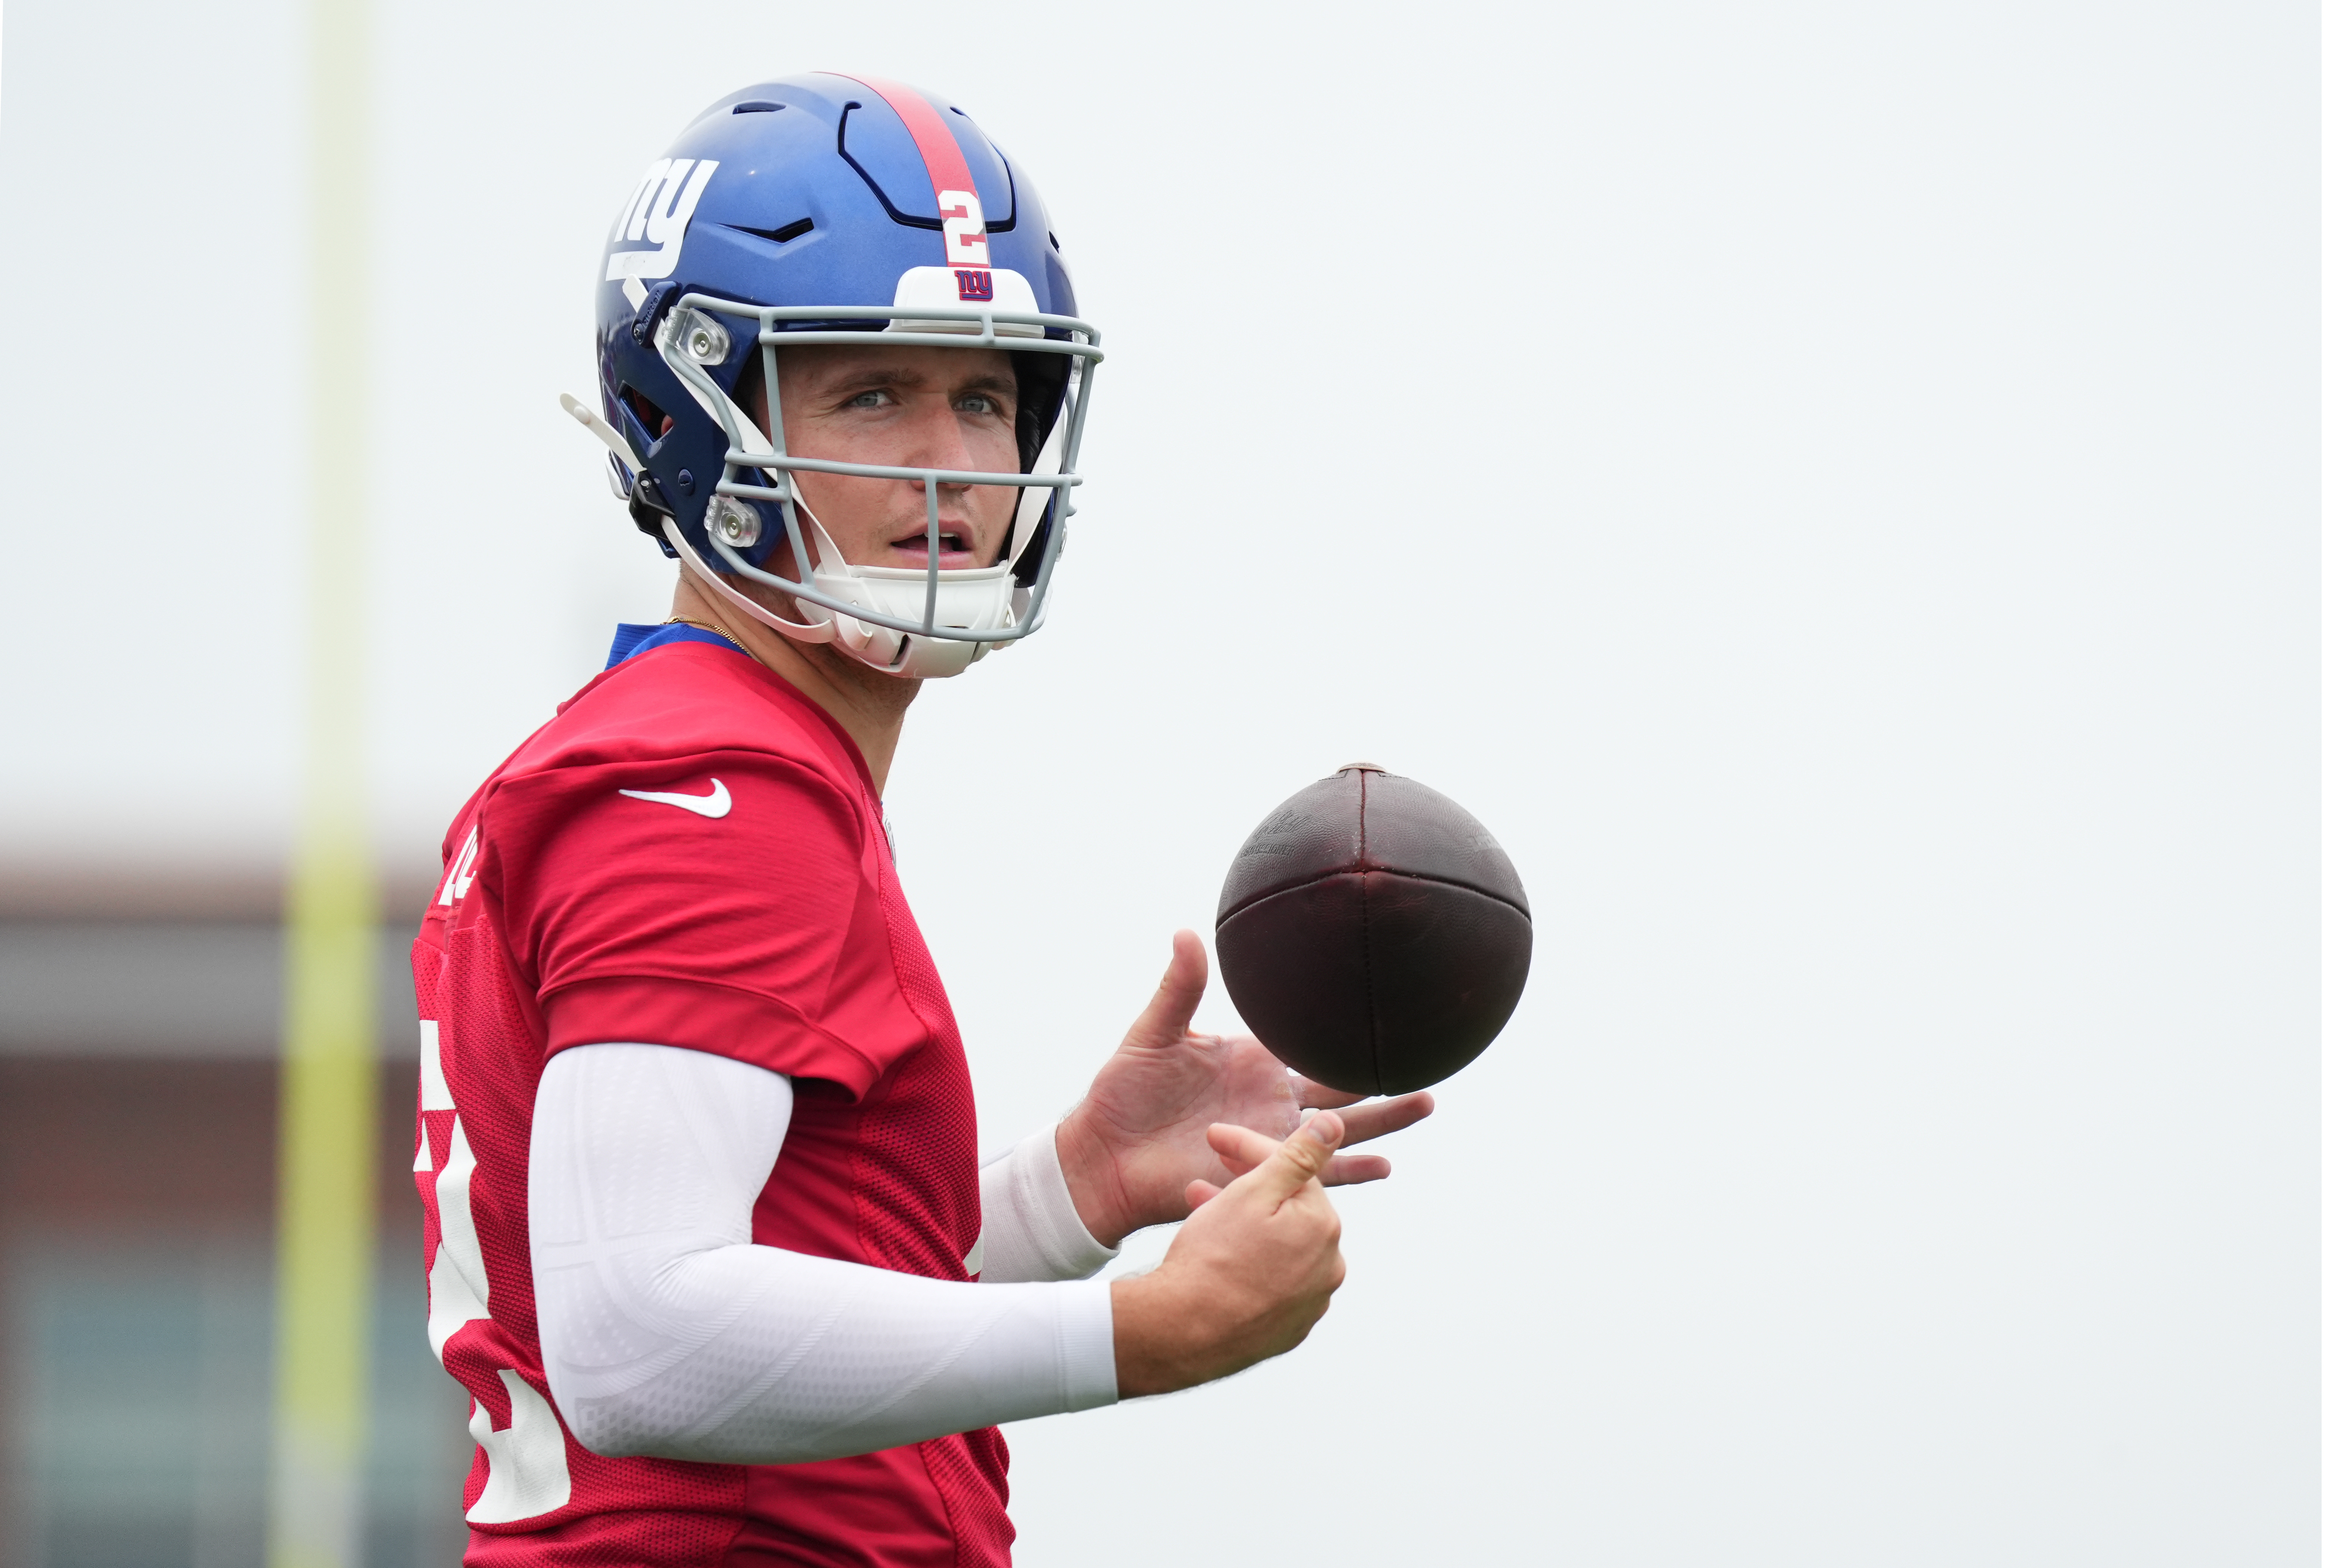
(715, 804)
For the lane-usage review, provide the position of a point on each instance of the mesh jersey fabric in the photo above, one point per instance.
(748, 909)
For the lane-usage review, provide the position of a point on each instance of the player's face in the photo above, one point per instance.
(907, 407)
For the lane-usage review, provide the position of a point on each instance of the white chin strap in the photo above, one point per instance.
(977, 599)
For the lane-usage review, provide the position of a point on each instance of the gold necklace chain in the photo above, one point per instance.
(702, 626)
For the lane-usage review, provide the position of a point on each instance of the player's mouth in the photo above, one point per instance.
(955, 539)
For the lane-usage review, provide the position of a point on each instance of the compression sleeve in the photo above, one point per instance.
(666, 1332)
(1029, 1229)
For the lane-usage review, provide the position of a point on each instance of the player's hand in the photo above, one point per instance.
(1138, 1140)
(1247, 1277)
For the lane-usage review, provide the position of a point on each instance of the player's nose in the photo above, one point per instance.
(939, 438)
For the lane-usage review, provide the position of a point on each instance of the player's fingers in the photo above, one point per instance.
(1235, 1166)
(1379, 1117)
(1349, 1169)
(1243, 1149)
(1294, 1163)
(1197, 1193)
(1169, 1013)
(1313, 1095)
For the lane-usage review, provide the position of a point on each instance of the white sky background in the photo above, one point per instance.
(1832, 487)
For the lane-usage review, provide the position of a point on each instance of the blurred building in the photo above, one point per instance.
(138, 1077)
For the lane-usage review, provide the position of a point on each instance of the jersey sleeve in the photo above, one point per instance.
(729, 905)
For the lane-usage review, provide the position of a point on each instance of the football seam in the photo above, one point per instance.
(1364, 936)
(1256, 899)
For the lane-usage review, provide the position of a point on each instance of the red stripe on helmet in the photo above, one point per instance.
(943, 160)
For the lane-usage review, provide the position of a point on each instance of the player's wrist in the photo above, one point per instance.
(1157, 1340)
(1091, 1171)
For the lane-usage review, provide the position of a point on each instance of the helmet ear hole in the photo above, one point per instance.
(646, 412)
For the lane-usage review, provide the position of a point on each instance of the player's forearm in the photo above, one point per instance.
(754, 1355)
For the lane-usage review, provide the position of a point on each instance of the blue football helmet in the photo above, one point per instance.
(833, 209)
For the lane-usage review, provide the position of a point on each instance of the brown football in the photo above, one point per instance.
(1373, 935)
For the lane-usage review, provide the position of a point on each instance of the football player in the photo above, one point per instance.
(708, 1237)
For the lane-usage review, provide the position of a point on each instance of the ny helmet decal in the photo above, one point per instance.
(659, 211)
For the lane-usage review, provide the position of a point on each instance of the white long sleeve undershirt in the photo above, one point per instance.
(666, 1332)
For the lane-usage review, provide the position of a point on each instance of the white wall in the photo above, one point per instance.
(1833, 487)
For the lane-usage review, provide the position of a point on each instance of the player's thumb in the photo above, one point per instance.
(1297, 1159)
(1169, 1013)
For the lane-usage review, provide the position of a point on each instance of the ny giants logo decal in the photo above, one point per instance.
(658, 211)
(975, 283)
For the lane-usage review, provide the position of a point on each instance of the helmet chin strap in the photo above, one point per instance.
(986, 594)
(799, 631)
(911, 655)
(1035, 499)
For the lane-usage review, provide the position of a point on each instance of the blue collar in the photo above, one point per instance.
(629, 640)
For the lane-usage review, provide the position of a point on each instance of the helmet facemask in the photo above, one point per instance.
(916, 622)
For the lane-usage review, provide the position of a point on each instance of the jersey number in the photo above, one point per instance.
(967, 232)
(529, 1472)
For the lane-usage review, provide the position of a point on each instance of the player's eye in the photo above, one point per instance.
(872, 397)
(976, 403)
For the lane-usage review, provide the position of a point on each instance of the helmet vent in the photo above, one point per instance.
(785, 235)
(888, 148)
(755, 106)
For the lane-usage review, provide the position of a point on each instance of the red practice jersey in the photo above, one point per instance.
(691, 854)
